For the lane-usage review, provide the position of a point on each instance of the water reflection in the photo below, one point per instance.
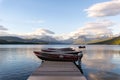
(17, 63)
(100, 62)
(103, 75)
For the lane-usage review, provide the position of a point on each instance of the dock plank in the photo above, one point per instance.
(53, 70)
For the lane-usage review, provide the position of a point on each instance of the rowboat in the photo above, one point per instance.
(55, 50)
(63, 49)
(47, 50)
(81, 46)
(53, 56)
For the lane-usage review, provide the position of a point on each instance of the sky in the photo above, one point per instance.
(69, 17)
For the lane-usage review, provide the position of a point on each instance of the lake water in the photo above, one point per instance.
(100, 62)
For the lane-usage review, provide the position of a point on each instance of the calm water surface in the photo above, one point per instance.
(100, 62)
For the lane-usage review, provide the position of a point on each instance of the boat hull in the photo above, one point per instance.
(56, 57)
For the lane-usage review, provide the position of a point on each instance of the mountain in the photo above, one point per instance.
(11, 38)
(18, 40)
(3, 41)
(42, 38)
(112, 41)
(47, 39)
(29, 40)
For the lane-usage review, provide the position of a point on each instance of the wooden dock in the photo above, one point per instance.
(52, 70)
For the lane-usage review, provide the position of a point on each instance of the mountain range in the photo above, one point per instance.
(112, 41)
(51, 40)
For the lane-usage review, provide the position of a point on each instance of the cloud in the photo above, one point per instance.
(44, 31)
(98, 28)
(116, 0)
(90, 29)
(3, 31)
(40, 31)
(110, 8)
(3, 28)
